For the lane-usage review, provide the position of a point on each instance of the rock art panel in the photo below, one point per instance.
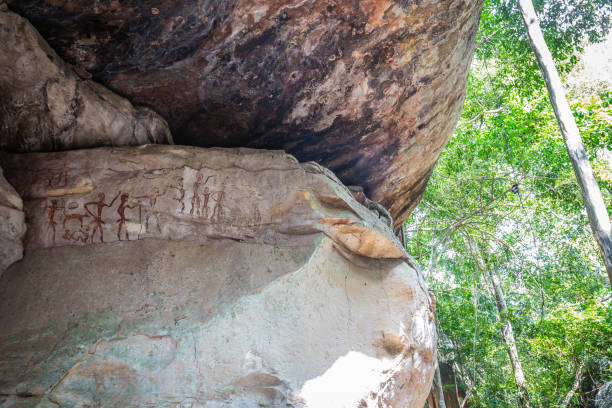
(174, 276)
(123, 194)
(45, 105)
(12, 224)
(369, 89)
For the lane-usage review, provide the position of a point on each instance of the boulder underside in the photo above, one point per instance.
(369, 89)
(168, 276)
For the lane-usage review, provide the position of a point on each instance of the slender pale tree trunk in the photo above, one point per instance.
(577, 379)
(439, 389)
(508, 335)
(467, 382)
(596, 209)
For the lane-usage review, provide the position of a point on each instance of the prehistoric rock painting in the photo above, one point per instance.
(122, 219)
(180, 193)
(129, 215)
(195, 198)
(72, 231)
(97, 221)
(216, 196)
(181, 197)
(205, 202)
(58, 178)
(150, 215)
(52, 206)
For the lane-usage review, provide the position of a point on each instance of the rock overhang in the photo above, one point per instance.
(370, 89)
(230, 276)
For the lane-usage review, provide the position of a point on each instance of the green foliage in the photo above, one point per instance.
(538, 240)
(571, 333)
(565, 24)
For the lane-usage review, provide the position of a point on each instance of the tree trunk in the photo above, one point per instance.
(508, 336)
(439, 389)
(456, 386)
(577, 379)
(596, 209)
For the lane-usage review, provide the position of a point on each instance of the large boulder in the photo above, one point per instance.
(370, 89)
(169, 276)
(45, 105)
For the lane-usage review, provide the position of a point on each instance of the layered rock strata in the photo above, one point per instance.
(369, 89)
(45, 105)
(182, 277)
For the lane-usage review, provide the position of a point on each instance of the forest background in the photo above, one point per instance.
(503, 210)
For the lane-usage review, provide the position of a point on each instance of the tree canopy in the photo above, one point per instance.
(503, 198)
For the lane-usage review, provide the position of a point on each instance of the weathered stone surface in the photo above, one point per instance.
(370, 89)
(45, 105)
(120, 194)
(12, 224)
(248, 280)
(604, 396)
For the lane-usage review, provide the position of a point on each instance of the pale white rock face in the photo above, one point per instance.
(281, 291)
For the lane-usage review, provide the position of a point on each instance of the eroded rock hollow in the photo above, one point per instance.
(173, 276)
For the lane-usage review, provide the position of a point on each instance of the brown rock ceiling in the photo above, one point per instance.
(370, 89)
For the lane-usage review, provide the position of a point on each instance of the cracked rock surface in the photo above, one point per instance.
(46, 106)
(170, 276)
(369, 89)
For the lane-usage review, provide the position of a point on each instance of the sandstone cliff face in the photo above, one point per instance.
(46, 106)
(182, 277)
(370, 89)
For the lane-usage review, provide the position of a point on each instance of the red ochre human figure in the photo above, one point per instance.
(97, 218)
(195, 199)
(51, 216)
(121, 211)
(217, 196)
(206, 193)
(181, 191)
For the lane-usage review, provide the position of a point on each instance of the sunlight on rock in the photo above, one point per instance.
(342, 385)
